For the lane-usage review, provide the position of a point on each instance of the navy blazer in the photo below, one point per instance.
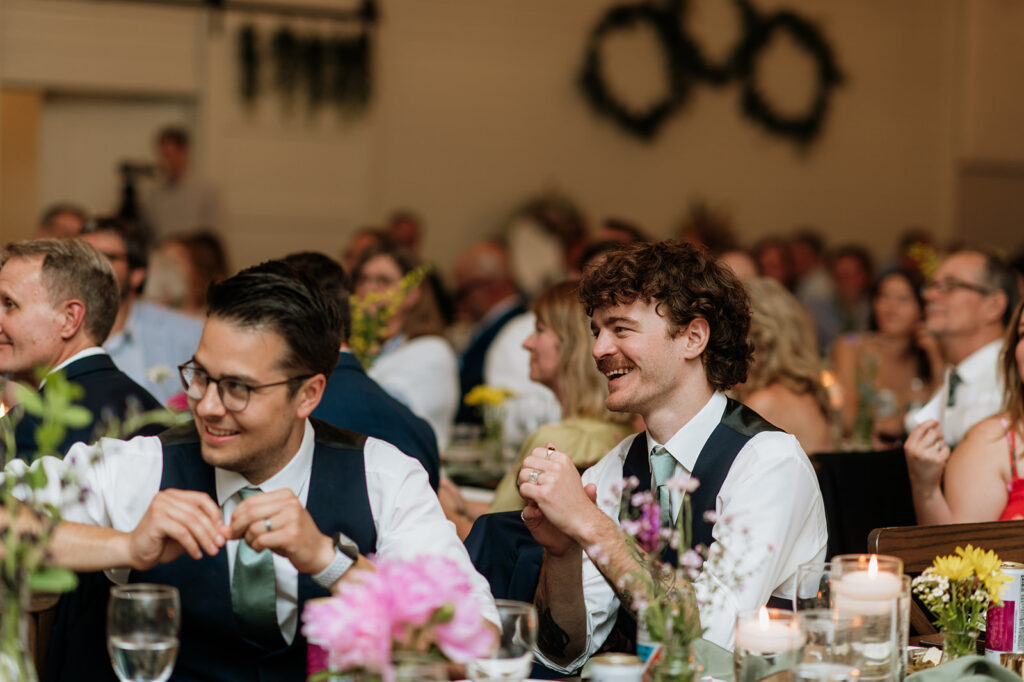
(354, 401)
(108, 392)
(471, 363)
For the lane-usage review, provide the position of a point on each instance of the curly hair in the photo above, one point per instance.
(582, 386)
(1013, 391)
(685, 285)
(785, 349)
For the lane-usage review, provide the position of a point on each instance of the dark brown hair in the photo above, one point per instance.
(685, 285)
(1013, 390)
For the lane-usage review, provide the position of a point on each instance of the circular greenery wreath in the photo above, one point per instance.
(679, 56)
(802, 128)
(685, 62)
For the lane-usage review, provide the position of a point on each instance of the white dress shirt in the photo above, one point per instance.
(422, 373)
(125, 476)
(776, 521)
(979, 395)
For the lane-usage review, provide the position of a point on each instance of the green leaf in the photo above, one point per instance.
(36, 477)
(29, 399)
(53, 580)
(76, 417)
(48, 437)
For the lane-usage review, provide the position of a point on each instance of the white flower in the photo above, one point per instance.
(159, 373)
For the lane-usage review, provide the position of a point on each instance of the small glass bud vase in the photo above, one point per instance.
(959, 644)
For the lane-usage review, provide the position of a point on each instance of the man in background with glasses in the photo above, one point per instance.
(253, 508)
(968, 303)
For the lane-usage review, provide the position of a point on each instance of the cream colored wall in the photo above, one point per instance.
(476, 108)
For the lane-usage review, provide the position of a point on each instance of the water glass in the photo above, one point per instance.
(812, 589)
(142, 631)
(768, 641)
(512, 657)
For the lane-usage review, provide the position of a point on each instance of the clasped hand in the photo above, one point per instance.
(559, 508)
(188, 521)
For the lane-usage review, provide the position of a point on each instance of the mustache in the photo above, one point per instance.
(605, 366)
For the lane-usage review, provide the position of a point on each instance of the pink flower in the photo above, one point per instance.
(683, 484)
(178, 402)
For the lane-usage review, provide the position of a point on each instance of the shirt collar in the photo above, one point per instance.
(980, 362)
(294, 475)
(685, 445)
(94, 350)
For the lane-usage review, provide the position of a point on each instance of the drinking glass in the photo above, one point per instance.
(812, 586)
(512, 657)
(142, 631)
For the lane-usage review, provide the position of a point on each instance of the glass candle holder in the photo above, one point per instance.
(812, 590)
(767, 641)
(869, 588)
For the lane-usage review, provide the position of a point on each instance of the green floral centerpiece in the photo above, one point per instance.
(959, 589)
(491, 400)
(372, 312)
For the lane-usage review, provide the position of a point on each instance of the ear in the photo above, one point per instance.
(695, 338)
(309, 394)
(995, 305)
(72, 316)
(135, 279)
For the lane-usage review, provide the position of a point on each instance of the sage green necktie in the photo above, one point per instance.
(954, 381)
(663, 465)
(254, 592)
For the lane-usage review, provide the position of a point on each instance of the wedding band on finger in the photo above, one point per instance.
(535, 476)
(267, 525)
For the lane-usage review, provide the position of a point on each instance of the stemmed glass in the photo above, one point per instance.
(142, 631)
(512, 658)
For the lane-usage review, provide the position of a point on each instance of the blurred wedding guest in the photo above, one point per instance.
(812, 282)
(740, 262)
(147, 341)
(351, 399)
(784, 381)
(544, 240)
(415, 363)
(772, 256)
(61, 220)
(708, 229)
(852, 273)
(183, 268)
(981, 480)
(888, 370)
(180, 202)
(968, 302)
(406, 228)
(360, 241)
(60, 300)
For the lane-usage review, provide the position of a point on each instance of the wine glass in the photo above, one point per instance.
(142, 631)
(512, 658)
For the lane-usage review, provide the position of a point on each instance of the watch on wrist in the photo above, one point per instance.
(346, 552)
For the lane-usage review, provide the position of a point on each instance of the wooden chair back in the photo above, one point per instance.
(918, 546)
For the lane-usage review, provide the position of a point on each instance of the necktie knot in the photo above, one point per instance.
(248, 491)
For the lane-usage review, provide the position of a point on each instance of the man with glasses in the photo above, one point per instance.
(968, 302)
(253, 508)
(147, 341)
(58, 301)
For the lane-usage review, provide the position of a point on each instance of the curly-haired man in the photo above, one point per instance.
(670, 329)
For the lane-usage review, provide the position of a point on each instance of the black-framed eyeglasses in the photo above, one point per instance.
(947, 285)
(234, 394)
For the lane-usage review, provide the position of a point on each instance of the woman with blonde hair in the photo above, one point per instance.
(560, 359)
(784, 383)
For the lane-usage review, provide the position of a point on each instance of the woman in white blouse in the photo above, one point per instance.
(416, 364)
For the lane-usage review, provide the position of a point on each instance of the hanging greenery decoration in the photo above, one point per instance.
(249, 63)
(314, 66)
(285, 50)
(350, 73)
(678, 54)
(801, 128)
(686, 64)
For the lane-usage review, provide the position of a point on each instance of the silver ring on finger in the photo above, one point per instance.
(535, 476)
(267, 525)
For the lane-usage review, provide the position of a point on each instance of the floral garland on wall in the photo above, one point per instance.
(686, 64)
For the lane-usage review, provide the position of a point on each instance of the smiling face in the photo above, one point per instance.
(897, 311)
(959, 310)
(260, 439)
(30, 327)
(645, 366)
(544, 346)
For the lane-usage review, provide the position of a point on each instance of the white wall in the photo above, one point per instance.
(476, 108)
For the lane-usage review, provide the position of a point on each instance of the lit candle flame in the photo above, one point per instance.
(3, 408)
(827, 378)
(873, 566)
(763, 620)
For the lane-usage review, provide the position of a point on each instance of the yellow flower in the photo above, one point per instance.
(487, 395)
(953, 567)
(986, 566)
